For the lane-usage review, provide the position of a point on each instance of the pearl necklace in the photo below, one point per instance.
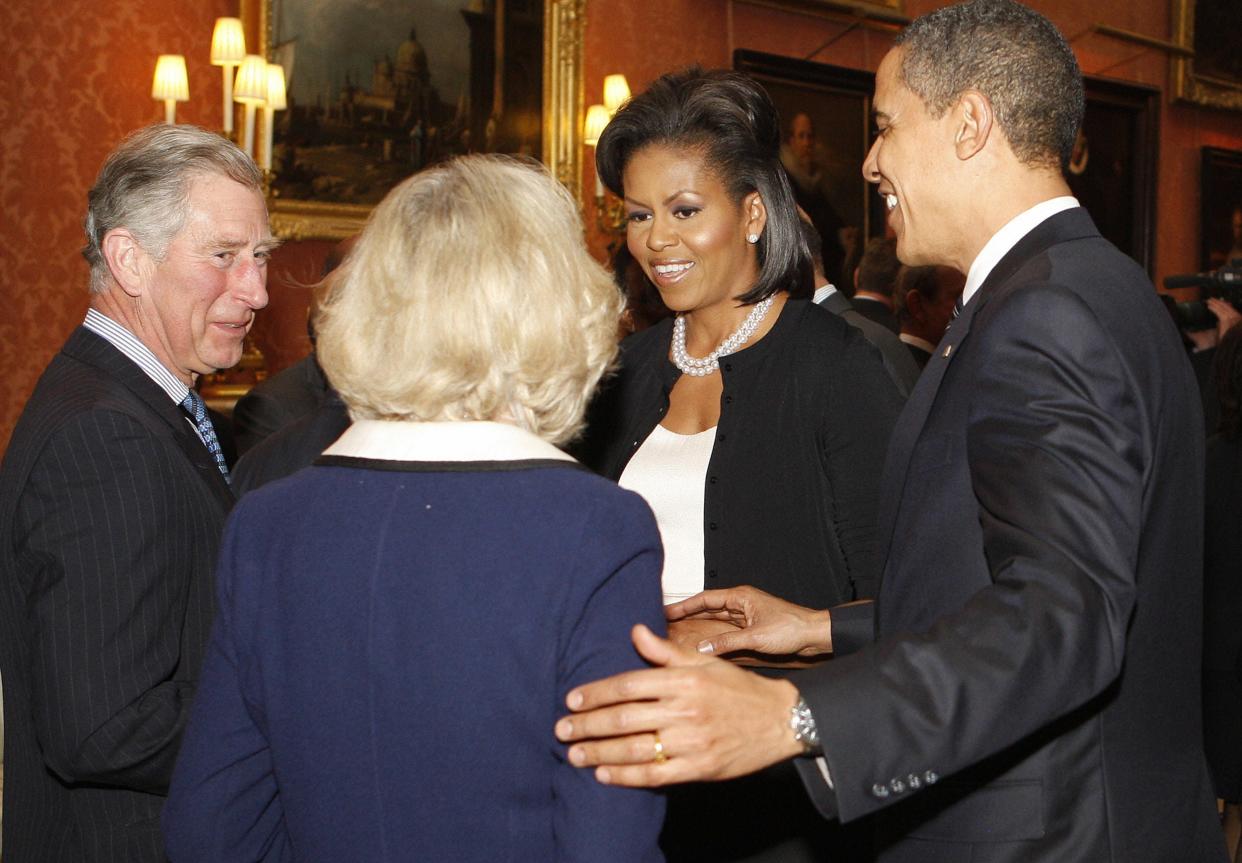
(703, 367)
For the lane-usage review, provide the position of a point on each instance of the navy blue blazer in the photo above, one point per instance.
(394, 645)
(1034, 692)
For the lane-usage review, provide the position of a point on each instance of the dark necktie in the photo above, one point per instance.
(957, 306)
(193, 405)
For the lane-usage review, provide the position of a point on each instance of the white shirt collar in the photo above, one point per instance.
(137, 353)
(823, 292)
(393, 440)
(1008, 236)
(911, 339)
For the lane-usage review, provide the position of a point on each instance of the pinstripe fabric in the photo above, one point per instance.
(111, 511)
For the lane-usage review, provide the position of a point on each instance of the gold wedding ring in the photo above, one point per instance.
(660, 757)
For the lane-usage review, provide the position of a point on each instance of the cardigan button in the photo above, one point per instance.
(712, 480)
(728, 400)
(711, 573)
(712, 525)
(728, 367)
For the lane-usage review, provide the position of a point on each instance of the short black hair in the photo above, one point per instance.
(1012, 55)
(729, 120)
(877, 271)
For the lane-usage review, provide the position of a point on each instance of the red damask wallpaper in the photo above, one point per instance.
(78, 76)
(77, 79)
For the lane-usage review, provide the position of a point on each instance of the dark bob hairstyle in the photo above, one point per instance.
(728, 120)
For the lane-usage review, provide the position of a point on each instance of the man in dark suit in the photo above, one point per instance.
(1033, 691)
(926, 298)
(897, 360)
(113, 495)
(874, 281)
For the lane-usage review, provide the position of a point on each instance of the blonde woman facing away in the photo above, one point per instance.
(400, 623)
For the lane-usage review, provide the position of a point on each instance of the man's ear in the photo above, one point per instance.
(126, 260)
(914, 306)
(973, 123)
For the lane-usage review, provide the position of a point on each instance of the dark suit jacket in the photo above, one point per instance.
(111, 511)
(1034, 695)
(921, 357)
(274, 403)
(293, 447)
(876, 311)
(897, 360)
(1222, 621)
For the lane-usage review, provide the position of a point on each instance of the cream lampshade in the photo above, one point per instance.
(228, 49)
(170, 84)
(596, 119)
(250, 89)
(616, 93)
(275, 102)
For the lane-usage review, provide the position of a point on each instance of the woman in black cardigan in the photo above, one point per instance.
(755, 425)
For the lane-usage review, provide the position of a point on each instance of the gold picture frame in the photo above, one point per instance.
(878, 14)
(1196, 78)
(563, 22)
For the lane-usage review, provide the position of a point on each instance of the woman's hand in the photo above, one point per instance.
(757, 622)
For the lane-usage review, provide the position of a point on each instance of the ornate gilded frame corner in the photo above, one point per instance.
(564, 23)
(1188, 85)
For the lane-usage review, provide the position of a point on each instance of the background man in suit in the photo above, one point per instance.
(925, 298)
(1033, 694)
(900, 366)
(874, 281)
(113, 496)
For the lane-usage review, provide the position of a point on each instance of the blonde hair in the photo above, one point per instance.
(471, 296)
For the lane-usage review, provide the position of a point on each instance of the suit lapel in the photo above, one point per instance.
(87, 347)
(837, 303)
(1066, 225)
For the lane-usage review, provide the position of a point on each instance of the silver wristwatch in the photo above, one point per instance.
(802, 723)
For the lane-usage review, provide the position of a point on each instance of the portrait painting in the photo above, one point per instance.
(1212, 75)
(826, 131)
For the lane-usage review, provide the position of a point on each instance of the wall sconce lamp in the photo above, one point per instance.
(609, 218)
(228, 50)
(275, 102)
(170, 84)
(250, 89)
(616, 93)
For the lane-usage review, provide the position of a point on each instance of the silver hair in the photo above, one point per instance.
(144, 183)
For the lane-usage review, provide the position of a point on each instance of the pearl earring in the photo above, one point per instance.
(752, 238)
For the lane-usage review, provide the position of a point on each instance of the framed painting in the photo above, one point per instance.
(1213, 75)
(1221, 208)
(826, 121)
(888, 12)
(379, 89)
(1112, 170)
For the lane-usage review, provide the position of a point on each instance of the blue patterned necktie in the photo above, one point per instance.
(193, 405)
(957, 306)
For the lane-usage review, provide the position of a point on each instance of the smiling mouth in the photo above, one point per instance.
(232, 325)
(670, 273)
(671, 269)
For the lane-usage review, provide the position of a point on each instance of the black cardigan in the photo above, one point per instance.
(791, 490)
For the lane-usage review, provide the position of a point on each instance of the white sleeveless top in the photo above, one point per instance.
(670, 472)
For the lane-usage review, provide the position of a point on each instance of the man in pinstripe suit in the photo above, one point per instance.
(113, 496)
